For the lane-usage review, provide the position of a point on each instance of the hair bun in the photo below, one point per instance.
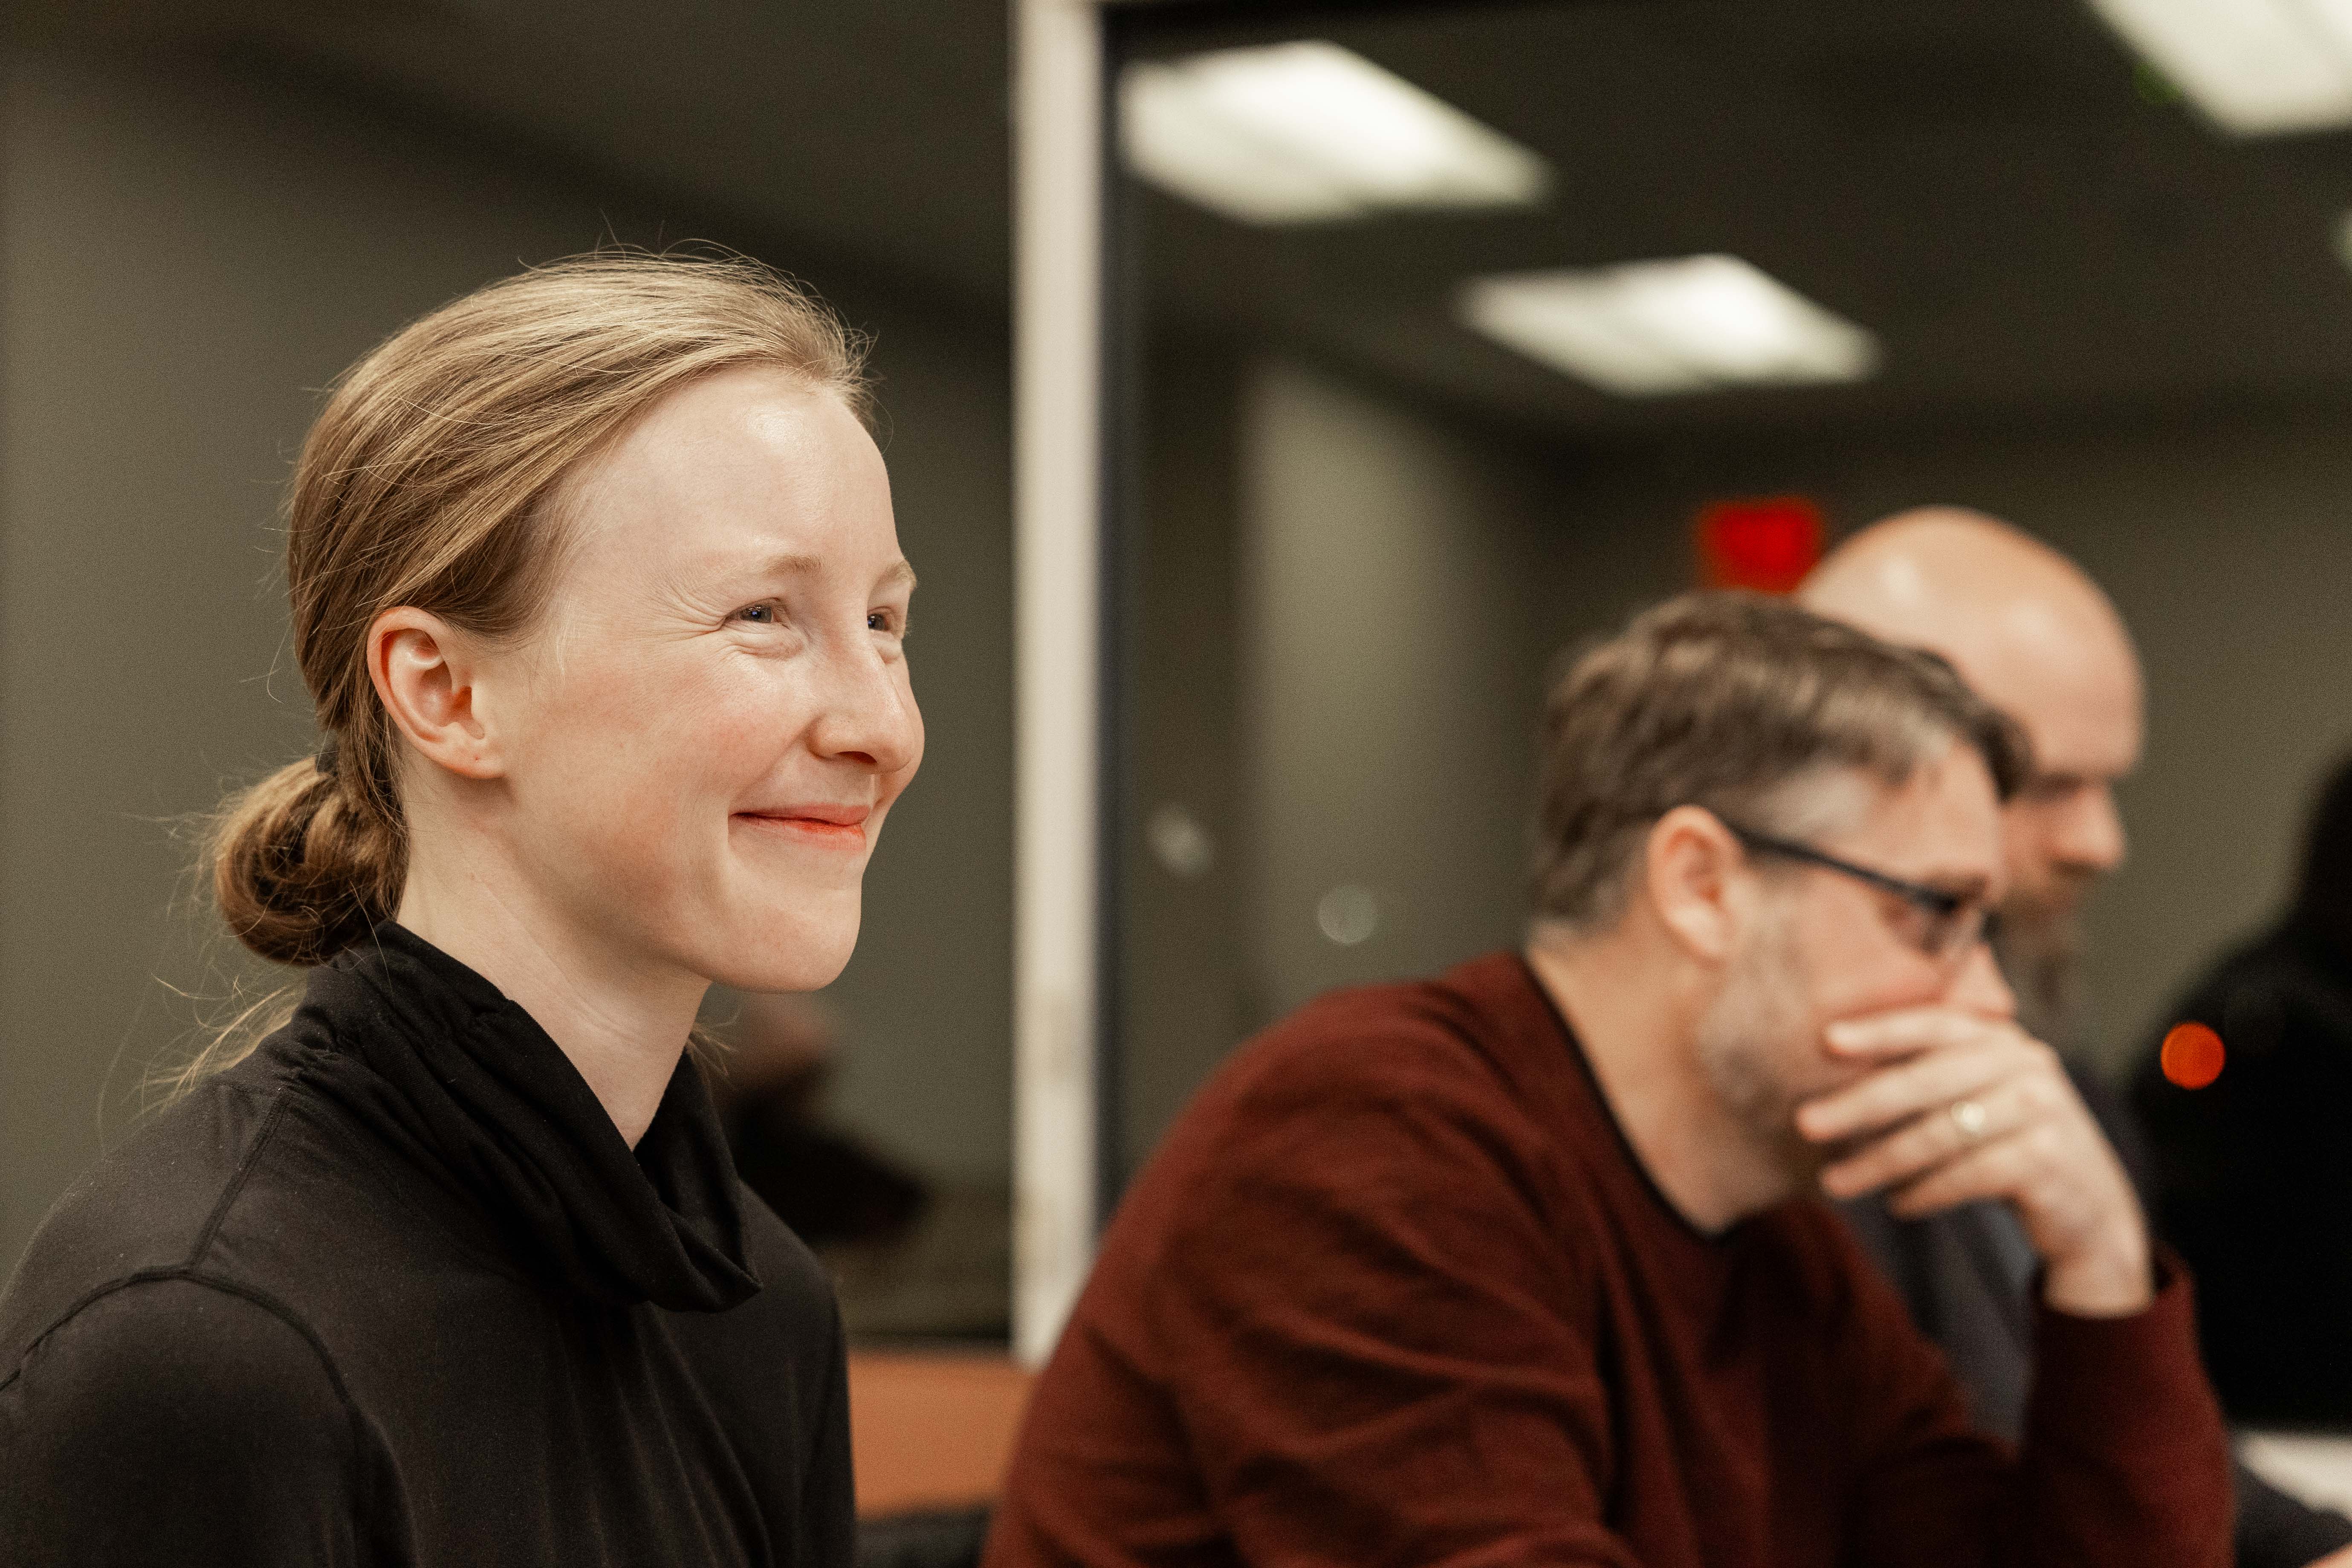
(300, 871)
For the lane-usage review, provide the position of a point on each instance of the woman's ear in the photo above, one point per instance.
(425, 673)
(1692, 860)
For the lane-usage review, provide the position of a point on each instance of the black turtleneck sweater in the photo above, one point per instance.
(395, 1290)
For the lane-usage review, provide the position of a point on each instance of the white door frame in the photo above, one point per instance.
(1059, 690)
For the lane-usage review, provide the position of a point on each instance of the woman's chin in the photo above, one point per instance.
(792, 954)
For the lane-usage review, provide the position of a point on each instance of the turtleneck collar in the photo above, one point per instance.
(464, 1081)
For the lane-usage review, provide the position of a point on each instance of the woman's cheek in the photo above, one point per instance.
(744, 738)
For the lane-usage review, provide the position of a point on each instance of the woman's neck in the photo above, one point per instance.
(621, 1022)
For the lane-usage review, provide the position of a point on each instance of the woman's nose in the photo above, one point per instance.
(870, 714)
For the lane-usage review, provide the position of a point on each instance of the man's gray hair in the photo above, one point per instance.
(1724, 701)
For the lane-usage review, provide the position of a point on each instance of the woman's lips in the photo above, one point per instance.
(833, 826)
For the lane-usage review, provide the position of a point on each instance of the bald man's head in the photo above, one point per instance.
(2035, 637)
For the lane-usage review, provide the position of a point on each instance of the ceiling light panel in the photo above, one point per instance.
(2254, 68)
(1309, 133)
(1695, 323)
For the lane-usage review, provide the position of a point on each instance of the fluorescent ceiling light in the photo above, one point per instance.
(1309, 131)
(1691, 324)
(2253, 66)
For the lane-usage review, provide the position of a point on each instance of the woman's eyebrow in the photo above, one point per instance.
(795, 563)
(790, 565)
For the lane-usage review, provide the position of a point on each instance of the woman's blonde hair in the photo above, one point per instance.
(428, 481)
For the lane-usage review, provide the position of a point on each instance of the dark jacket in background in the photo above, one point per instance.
(1967, 1277)
(2254, 1176)
(393, 1290)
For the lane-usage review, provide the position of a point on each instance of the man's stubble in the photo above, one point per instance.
(1747, 1045)
(2040, 952)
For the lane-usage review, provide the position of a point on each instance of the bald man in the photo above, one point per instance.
(2036, 637)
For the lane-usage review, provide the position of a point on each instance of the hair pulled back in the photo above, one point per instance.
(429, 481)
(1723, 700)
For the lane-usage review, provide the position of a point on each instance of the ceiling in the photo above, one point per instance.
(2025, 224)
(2024, 220)
(872, 130)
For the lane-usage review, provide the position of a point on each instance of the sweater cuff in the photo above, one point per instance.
(2098, 1373)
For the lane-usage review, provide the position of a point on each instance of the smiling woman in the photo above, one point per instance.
(597, 590)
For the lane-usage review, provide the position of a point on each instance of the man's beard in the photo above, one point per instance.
(2040, 950)
(1755, 1025)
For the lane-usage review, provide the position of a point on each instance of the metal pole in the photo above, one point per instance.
(1058, 691)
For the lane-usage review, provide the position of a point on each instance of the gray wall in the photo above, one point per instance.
(1182, 993)
(185, 256)
(1389, 678)
(1337, 664)
(1350, 604)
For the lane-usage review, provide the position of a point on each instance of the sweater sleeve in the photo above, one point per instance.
(2125, 1458)
(1367, 1308)
(170, 1422)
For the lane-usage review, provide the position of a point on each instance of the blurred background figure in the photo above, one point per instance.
(913, 1257)
(2030, 632)
(2245, 1094)
(830, 1188)
(2039, 640)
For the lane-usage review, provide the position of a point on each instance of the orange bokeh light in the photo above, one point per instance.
(2192, 1055)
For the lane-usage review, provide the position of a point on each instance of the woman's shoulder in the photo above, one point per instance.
(146, 1209)
(169, 1408)
(144, 1397)
(181, 1347)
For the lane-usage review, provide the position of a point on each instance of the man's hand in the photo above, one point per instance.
(1961, 1107)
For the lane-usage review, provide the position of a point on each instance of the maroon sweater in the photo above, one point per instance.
(1396, 1290)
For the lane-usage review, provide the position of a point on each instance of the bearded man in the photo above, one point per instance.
(1525, 1263)
(2035, 637)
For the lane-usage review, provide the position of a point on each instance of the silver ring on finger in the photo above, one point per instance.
(1970, 1116)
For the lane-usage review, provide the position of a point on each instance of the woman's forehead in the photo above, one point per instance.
(758, 476)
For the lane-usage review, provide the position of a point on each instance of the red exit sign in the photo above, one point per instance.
(1766, 543)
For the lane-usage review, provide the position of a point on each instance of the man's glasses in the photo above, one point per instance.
(1951, 924)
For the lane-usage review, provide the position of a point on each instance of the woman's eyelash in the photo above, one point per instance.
(765, 614)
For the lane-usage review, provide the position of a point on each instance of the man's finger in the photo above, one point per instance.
(1905, 1031)
(1999, 1167)
(1936, 1137)
(1893, 1093)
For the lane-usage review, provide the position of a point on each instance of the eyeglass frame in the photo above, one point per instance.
(1937, 903)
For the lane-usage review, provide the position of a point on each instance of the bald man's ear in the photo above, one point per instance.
(1690, 864)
